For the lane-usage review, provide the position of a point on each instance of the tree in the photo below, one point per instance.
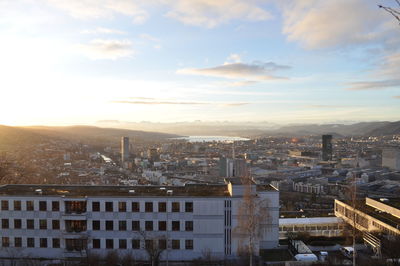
(154, 246)
(394, 12)
(252, 215)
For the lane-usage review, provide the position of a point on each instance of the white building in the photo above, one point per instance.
(391, 159)
(60, 222)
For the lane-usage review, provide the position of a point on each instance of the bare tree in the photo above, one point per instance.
(154, 246)
(394, 12)
(252, 214)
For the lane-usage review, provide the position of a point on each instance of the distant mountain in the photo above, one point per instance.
(12, 136)
(392, 128)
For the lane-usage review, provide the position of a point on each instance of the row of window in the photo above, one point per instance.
(96, 225)
(80, 206)
(77, 244)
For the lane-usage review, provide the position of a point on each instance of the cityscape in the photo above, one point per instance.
(282, 147)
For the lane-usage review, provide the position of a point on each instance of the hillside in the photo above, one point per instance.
(392, 128)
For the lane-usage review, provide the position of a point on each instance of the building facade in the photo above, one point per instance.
(391, 159)
(124, 149)
(62, 222)
(326, 147)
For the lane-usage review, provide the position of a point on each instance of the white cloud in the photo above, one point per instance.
(107, 49)
(101, 30)
(235, 58)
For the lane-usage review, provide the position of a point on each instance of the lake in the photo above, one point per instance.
(211, 138)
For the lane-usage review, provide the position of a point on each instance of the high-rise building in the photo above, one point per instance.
(326, 147)
(232, 167)
(391, 159)
(124, 149)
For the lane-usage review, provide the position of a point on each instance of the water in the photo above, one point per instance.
(212, 138)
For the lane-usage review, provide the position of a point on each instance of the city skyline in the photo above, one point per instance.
(73, 62)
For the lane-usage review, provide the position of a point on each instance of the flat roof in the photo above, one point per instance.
(309, 221)
(192, 190)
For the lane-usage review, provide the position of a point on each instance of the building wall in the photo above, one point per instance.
(391, 159)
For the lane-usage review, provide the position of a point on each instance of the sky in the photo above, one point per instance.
(65, 62)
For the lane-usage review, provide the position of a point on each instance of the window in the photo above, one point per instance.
(96, 225)
(175, 207)
(162, 244)
(109, 206)
(55, 206)
(96, 206)
(42, 206)
(122, 206)
(176, 226)
(17, 205)
(5, 241)
(122, 243)
(135, 207)
(109, 225)
(188, 244)
(43, 242)
(162, 226)
(135, 243)
(135, 225)
(30, 224)
(29, 205)
(148, 225)
(96, 243)
(189, 226)
(17, 223)
(162, 207)
(5, 224)
(18, 242)
(176, 244)
(109, 243)
(122, 225)
(148, 206)
(4, 205)
(188, 206)
(30, 242)
(56, 243)
(43, 224)
(55, 224)
(148, 244)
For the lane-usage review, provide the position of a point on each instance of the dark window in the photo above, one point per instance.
(42, 206)
(189, 226)
(148, 244)
(30, 224)
(122, 206)
(188, 244)
(30, 242)
(122, 225)
(188, 206)
(109, 225)
(122, 243)
(17, 223)
(110, 243)
(43, 242)
(5, 241)
(18, 242)
(176, 226)
(96, 243)
(55, 224)
(56, 243)
(29, 205)
(162, 244)
(175, 207)
(5, 224)
(17, 205)
(176, 244)
(55, 206)
(96, 206)
(96, 225)
(109, 206)
(148, 206)
(162, 207)
(42, 224)
(135, 207)
(135, 225)
(135, 243)
(4, 205)
(149, 225)
(162, 225)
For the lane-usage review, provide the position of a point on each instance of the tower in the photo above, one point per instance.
(326, 147)
(124, 149)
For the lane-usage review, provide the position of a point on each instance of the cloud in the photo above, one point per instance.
(327, 24)
(239, 83)
(396, 97)
(209, 13)
(374, 85)
(235, 58)
(322, 106)
(96, 9)
(153, 101)
(107, 49)
(254, 71)
(233, 104)
(148, 37)
(101, 30)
